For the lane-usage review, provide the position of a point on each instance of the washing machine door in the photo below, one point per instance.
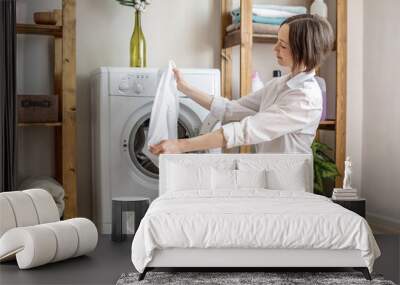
(135, 136)
(209, 125)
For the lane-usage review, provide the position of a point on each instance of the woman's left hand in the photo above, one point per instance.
(166, 146)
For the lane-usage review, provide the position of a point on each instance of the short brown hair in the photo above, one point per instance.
(310, 40)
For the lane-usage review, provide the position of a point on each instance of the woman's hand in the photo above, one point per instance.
(207, 141)
(166, 146)
(197, 95)
(180, 83)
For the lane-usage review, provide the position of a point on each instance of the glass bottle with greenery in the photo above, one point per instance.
(138, 52)
(138, 44)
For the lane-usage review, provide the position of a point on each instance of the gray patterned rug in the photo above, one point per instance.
(243, 278)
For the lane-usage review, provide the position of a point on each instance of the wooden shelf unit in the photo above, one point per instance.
(64, 34)
(327, 125)
(244, 38)
(233, 39)
(55, 124)
(33, 29)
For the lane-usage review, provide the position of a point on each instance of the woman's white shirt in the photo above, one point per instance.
(282, 117)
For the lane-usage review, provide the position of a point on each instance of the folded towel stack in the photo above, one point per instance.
(344, 194)
(266, 18)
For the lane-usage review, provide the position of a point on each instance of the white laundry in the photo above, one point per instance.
(164, 114)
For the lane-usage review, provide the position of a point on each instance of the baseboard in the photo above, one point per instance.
(383, 222)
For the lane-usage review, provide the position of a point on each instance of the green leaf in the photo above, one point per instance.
(324, 167)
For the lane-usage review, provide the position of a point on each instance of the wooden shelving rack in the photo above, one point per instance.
(64, 87)
(46, 30)
(244, 38)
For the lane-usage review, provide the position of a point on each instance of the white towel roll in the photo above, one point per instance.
(87, 234)
(46, 208)
(37, 245)
(67, 240)
(33, 246)
(7, 218)
(23, 207)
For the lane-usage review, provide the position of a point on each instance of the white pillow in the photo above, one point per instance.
(281, 174)
(251, 178)
(293, 179)
(223, 179)
(188, 177)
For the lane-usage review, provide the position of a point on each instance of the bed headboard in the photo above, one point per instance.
(280, 163)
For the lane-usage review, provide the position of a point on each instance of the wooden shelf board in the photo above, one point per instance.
(261, 38)
(233, 39)
(55, 124)
(327, 125)
(33, 29)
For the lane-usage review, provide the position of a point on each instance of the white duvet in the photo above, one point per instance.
(251, 218)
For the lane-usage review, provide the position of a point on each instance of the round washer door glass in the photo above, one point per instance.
(137, 140)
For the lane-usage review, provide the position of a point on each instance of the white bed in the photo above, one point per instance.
(214, 223)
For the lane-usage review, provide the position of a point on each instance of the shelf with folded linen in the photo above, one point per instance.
(266, 20)
(273, 15)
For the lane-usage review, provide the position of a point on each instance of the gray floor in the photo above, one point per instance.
(103, 266)
(110, 260)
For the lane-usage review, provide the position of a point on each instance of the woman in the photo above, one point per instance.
(283, 116)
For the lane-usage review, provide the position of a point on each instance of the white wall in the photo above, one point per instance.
(373, 119)
(381, 120)
(355, 67)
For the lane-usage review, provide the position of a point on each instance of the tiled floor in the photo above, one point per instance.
(110, 260)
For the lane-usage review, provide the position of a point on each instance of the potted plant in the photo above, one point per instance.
(324, 168)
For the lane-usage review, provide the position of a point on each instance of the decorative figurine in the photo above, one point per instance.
(347, 174)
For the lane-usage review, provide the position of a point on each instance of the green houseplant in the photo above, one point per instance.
(138, 50)
(324, 167)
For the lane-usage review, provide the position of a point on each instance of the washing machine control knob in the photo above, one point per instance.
(138, 88)
(124, 86)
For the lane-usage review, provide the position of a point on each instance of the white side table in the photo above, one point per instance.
(139, 205)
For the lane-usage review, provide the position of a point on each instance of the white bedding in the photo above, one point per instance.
(250, 218)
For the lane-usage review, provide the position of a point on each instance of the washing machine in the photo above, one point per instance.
(121, 104)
